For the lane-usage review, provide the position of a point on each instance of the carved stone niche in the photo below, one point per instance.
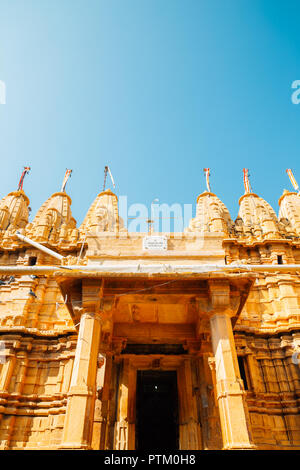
(118, 344)
(105, 340)
(135, 313)
(156, 363)
(107, 304)
(192, 347)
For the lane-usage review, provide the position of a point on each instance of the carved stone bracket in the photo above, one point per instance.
(118, 344)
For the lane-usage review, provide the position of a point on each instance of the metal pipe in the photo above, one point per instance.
(150, 269)
(39, 246)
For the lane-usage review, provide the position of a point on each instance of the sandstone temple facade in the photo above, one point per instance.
(114, 344)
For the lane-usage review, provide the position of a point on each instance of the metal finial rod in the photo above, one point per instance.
(207, 174)
(105, 176)
(107, 170)
(24, 173)
(292, 179)
(66, 177)
(246, 181)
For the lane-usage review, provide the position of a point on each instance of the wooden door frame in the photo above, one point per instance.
(189, 427)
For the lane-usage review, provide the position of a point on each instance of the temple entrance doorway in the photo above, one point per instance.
(157, 410)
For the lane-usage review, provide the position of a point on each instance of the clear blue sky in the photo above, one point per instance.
(156, 89)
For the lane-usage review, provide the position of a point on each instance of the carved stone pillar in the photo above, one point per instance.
(125, 425)
(7, 367)
(233, 409)
(9, 361)
(98, 420)
(189, 429)
(101, 418)
(82, 393)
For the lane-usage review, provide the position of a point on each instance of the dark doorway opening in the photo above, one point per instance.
(157, 410)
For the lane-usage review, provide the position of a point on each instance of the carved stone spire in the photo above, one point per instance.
(14, 212)
(256, 218)
(211, 215)
(103, 215)
(289, 212)
(53, 222)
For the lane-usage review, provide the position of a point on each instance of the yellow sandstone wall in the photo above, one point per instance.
(40, 337)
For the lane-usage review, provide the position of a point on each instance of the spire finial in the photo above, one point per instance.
(207, 174)
(292, 179)
(65, 180)
(24, 173)
(247, 185)
(107, 170)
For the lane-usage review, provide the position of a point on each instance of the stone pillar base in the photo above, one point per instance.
(70, 446)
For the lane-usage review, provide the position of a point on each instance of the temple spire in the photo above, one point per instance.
(207, 175)
(24, 173)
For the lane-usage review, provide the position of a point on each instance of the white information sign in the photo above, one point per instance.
(155, 243)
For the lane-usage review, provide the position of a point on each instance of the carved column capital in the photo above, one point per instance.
(93, 298)
(219, 294)
(221, 300)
